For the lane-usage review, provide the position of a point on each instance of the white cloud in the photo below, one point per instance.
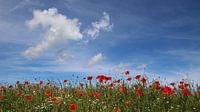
(58, 27)
(103, 24)
(95, 60)
(63, 57)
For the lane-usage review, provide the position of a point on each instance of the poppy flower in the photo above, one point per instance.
(157, 83)
(127, 102)
(29, 98)
(81, 93)
(121, 89)
(48, 93)
(62, 92)
(181, 86)
(65, 81)
(186, 85)
(17, 82)
(10, 86)
(129, 79)
(119, 110)
(1, 97)
(26, 82)
(90, 95)
(198, 93)
(53, 99)
(117, 81)
(81, 84)
(186, 92)
(127, 72)
(72, 107)
(41, 82)
(181, 82)
(157, 87)
(172, 83)
(59, 101)
(97, 94)
(143, 80)
(89, 78)
(167, 90)
(111, 85)
(18, 93)
(139, 92)
(137, 77)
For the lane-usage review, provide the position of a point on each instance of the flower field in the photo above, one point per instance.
(132, 93)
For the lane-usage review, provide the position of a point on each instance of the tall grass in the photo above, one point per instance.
(133, 94)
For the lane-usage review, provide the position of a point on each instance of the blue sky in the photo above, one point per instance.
(108, 37)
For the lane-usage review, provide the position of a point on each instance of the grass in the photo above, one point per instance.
(130, 94)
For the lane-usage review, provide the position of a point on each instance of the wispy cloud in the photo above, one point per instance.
(190, 55)
(95, 60)
(25, 3)
(64, 57)
(103, 24)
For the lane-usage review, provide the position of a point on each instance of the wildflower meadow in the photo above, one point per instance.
(132, 93)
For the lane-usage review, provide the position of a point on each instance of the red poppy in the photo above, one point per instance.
(186, 92)
(26, 82)
(157, 83)
(18, 93)
(172, 83)
(157, 87)
(53, 99)
(167, 90)
(181, 86)
(1, 97)
(72, 107)
(117, 81)
(111, 85)
(48, 93)
(186, 85)
(143, 80)
(59, 101)
(62, 92)
(181, 82)
(81, 84)
(97, 94)
(90, 95)
(119, 110)
(89, 78)
(29, 98)
(137, 76)
(17, 82)
(129, 79)
(139, 92)
(127, 102)
(65, 81)
(41, 82)
(76, 90)
(10, 86)
(127, 72)
(121, 89)
(198, 93)
(81, 93)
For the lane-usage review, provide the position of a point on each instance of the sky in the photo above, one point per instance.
(57, 38)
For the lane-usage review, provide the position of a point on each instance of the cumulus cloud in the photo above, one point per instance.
(95, 59)
(58, 28)
(103, 24)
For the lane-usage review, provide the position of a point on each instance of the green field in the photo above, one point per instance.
(130, 94)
